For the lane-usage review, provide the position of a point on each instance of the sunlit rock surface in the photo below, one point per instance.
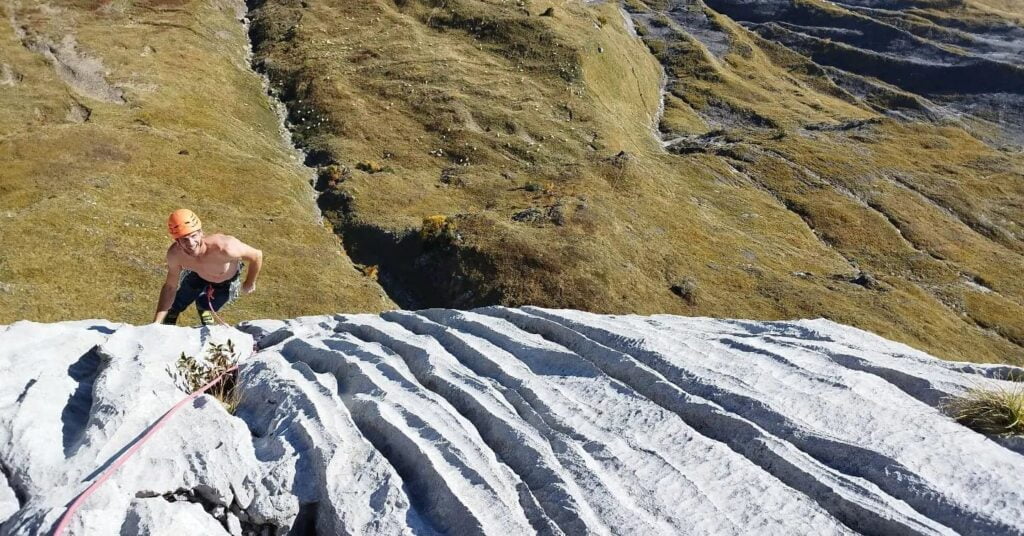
(500, 421)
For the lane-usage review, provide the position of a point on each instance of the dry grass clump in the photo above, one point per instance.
(990, 410)
(436, 227)
(191, 374)
(371, 271)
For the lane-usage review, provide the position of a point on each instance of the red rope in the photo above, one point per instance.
(209, 300)
(66, 518)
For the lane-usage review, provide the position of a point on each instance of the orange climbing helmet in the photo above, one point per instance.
(182, 222)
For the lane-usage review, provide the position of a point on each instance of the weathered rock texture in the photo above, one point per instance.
(501, 421)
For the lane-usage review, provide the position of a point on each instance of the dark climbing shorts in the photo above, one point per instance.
(192, 289)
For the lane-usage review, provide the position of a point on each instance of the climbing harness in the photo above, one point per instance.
(209, 300)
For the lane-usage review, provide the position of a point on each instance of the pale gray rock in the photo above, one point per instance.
(500, 421)
(151, 516)
(8, 500)
(80, 392)
(313, 454)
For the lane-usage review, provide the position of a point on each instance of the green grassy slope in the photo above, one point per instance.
(115, 114)
(535, 136)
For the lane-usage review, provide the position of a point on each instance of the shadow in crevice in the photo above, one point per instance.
(76, 412)
(24, 392)
(8, 476)
(305, 522)
(417, 272)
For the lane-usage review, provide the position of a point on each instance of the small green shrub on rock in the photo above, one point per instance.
(192, 374)
(990, 410)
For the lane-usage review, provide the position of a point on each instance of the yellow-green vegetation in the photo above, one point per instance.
(113, 114)
(995, 410)
(220, 362)
(1006, 9)
(787, 197)
(693, 168)
(437, 226)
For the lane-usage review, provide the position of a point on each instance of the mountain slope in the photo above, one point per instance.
(758, 184)
(112, 115)
(857, 161)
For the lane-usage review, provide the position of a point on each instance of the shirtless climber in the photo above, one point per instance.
(196, 263)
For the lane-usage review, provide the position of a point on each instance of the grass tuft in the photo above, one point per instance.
(990, 410)
(192, 374)
(437, 227)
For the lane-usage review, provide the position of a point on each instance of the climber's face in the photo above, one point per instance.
(191, 243)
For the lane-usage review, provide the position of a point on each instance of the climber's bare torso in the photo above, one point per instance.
(213, 257)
